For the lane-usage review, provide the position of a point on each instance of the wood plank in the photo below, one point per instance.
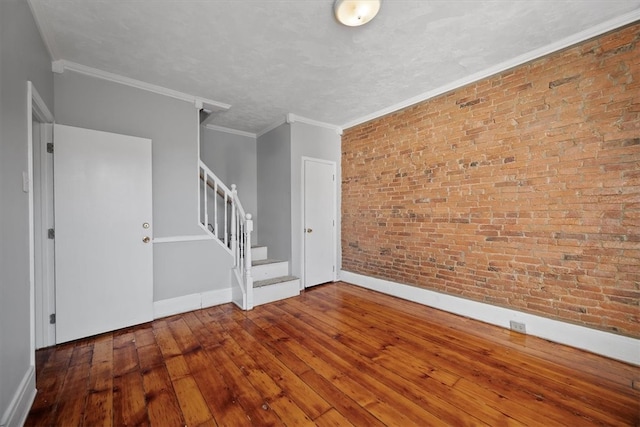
(340, 401)
(125, 355)
(255, 406)
(73, 394)
(99, 405)
(332, 418)
(49, 381)
(335, 355)
(403, 410)
(129, 404)
(226, 410)
(194, 408)
(287, 382)
(149, 356)
(527, 378)
(184, 337)
(619, 373)
(162, 403)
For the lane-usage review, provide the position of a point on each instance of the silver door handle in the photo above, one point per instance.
(146, 239)
(308, 230)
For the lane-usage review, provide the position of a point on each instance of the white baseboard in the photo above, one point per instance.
(211, 298)
(606, 344)
(185, 303)
(16, 413)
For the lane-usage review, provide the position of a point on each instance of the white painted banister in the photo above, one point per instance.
(215, 206)
(223, 217)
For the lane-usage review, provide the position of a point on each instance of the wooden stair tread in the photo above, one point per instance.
(273, 281)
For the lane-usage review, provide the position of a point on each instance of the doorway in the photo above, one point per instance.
(319, 221)
(37, 183)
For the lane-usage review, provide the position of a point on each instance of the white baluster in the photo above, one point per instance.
(234, 225)
(215, 207)
(226, 217)
(247, 251)
(205, 177)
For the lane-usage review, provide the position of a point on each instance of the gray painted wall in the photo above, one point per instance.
(23, 57)
(274, 191)
(172, 125)
(233, 158)
(319, 143)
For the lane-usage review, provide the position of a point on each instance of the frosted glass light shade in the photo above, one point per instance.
(356, 12)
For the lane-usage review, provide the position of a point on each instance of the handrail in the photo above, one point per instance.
(211, 186)
(237, 226)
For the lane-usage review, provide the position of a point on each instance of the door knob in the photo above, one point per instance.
(308, 230)
(146, 239)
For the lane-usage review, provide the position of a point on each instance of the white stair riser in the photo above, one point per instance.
(276, 292)
(259, 253)
(269, 271)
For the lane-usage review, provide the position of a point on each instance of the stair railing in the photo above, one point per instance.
(223, 217)
(215, 207)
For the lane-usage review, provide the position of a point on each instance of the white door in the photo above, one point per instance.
(319, 222)
(103, 250)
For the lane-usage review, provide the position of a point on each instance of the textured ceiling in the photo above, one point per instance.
(271, 57)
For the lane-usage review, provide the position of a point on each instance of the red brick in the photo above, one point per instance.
(509, 192)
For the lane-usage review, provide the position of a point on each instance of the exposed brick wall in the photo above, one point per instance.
(521, 190)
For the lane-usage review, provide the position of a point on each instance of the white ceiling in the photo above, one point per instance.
(268, 58)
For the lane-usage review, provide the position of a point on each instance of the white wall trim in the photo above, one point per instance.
(292, 118)
(577, 38)
(18, 409)
(185, 303)
(272, 126)
(40, 109)
(62, 65)
(178, 239)
(45, 31)
(36, 110)
(604, 343)
(231, 131)
(211, 298)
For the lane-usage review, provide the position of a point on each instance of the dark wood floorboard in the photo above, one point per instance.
(338, 355)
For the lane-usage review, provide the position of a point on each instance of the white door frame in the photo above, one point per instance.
(333, 212)
(36, 110)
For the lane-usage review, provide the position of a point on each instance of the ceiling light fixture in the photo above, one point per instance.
(356, 12)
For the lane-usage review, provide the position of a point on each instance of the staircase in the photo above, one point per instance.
(256, 279)
(271, 278)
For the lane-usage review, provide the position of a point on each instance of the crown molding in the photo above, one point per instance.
(62, 65)
(575, 39)
(231, 131)
(272, 126)
(292, 118)
(45, 31)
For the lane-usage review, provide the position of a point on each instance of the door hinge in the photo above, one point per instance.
(52, 318)
(49, 147)
(51, 233)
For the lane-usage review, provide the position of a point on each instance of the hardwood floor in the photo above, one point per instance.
(338, 355)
